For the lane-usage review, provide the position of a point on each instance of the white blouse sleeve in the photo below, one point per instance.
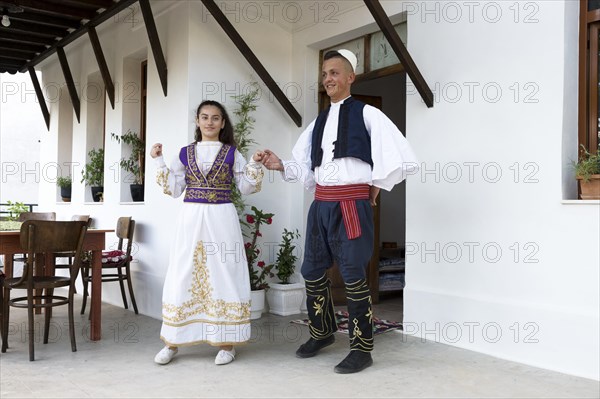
(248, 176)
(393, 157)
(172, 180)
(298, 169)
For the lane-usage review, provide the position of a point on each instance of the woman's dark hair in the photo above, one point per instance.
(226, 134)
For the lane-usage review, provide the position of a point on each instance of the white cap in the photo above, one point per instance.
(349, 55)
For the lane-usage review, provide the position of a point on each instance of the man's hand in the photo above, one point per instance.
(373, 193)
(272, 161)
(156, 150)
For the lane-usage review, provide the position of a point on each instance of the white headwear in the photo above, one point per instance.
(349, 55)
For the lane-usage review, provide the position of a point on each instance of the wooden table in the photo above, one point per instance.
(95, 241)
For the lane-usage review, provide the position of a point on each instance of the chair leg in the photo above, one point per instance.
(130, 286)
(5, 319)
(121, 278)
(30, 325)
(72, 320)
(84, 278)
(47, 313)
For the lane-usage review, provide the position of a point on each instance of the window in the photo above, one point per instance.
(589, 78)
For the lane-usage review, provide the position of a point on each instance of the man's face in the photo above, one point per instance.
(337, 77)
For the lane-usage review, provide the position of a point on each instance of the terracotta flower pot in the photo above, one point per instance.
(589, 190)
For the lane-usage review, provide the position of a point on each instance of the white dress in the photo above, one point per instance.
(206, 294)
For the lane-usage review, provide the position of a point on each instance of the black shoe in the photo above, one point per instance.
(353, 363)
(313, 346)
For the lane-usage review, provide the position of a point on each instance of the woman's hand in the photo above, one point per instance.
(156, 150)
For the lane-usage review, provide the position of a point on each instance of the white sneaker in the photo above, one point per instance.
(165, 355)
(225, 357)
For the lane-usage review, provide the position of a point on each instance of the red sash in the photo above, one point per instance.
(346, 195)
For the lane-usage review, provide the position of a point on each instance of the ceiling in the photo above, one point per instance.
(37, 26)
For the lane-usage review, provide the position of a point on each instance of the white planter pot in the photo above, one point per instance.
(257, 304)
(285, 299)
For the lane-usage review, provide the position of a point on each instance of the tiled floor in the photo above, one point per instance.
(121, 365)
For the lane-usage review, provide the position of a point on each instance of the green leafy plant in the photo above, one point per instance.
(133, 164)
(15, 209)
(63, 182)
(93, 172)
(242, 131)
(286, 258)
(258, 274)
(588, 164)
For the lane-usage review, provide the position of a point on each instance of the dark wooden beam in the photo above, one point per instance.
(40, 96)
(159, 58)
(17, 55)
(108, 83)
(28, 48)
(10, 62)
(37, 29)
(235, 37)
(109, 13)
(46, 20)
(394, 39)
(55, 9)
(22, 37)
(64, 65)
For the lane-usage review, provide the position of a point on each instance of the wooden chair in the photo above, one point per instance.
(70, 254)
(40, 236)
(23, 217)
(124, 231)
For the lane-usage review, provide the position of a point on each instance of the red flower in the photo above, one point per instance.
(269, 220)
(258, 234)
(261, 264)
(250, 219)
(247, 245)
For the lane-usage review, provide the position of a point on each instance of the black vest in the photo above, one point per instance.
(353, 139)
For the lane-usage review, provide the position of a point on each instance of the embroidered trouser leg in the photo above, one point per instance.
(360, 316)
(326, 240)
(320, 308)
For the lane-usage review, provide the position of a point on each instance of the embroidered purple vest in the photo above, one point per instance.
(215, 186)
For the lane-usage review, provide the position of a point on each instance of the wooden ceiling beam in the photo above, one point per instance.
(55, 9)
(40, 96)
(64, 65)
(46, 20)
(36, 29)
(393, 38)
(100, 18)
(108, 83)
(18, 55)
(7, 44)
(261, 71)
(22, 37)
(159, 57)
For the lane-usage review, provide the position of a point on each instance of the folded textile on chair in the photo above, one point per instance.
(113, 256)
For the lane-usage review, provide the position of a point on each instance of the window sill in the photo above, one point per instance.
(580, 202)
(93, 203)
(131, 203)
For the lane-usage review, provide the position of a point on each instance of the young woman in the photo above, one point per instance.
(206, 295)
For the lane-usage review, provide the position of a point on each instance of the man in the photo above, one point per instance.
(348, 154)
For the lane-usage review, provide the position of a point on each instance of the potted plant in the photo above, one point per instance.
(260, 272)
(93, 173)
(587, 172)
(285, 298)
(65, 187)
(134, 164)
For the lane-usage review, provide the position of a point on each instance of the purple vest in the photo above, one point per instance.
(215, 186)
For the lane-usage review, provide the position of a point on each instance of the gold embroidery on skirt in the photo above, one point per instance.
(201, 301)
(162, 179)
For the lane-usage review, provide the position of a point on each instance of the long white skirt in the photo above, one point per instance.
(206, 296)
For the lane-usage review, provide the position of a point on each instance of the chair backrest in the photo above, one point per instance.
(37, 216)
(124, 231)
(82, 218)
(40, 236)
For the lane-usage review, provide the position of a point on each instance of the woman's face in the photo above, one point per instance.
(210, 121)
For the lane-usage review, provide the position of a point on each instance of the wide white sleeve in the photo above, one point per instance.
(298, 168)
(393, 157)
(171, 179)
(248, 175)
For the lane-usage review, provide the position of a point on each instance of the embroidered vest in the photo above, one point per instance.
(215, 186)
(353, 139)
